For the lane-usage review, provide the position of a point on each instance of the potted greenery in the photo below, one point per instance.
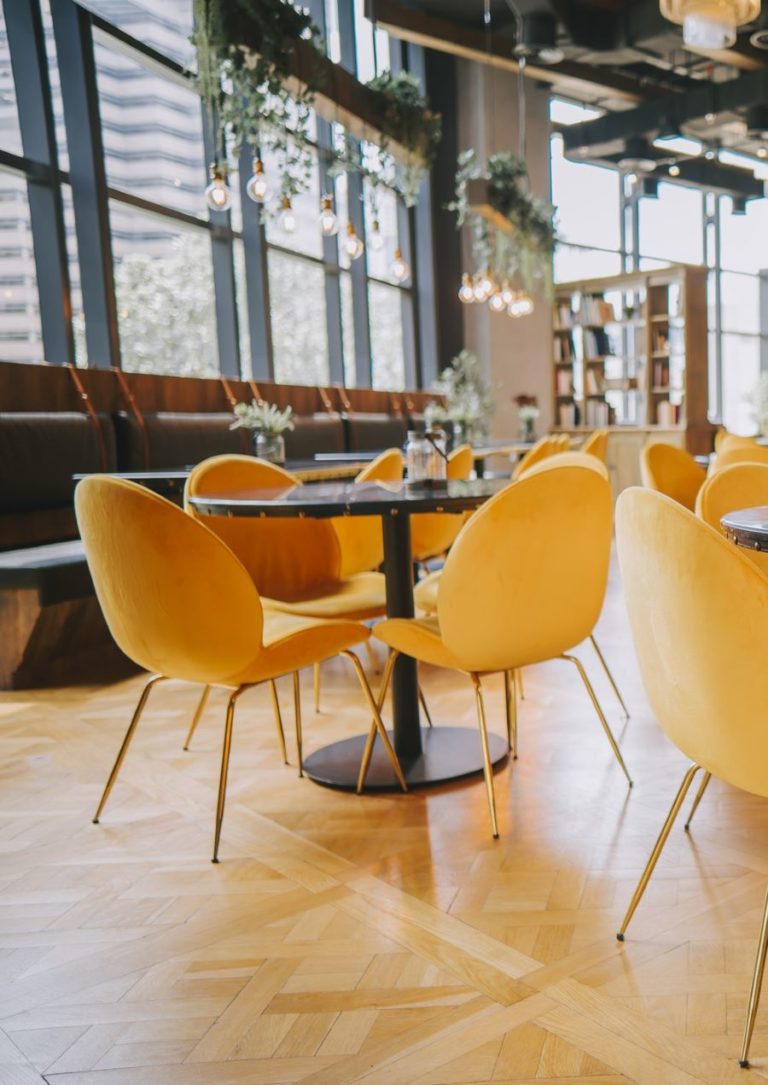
(468, 399)
(267, 424)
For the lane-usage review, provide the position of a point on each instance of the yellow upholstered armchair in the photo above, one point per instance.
(495, 615)
(360, 539)
(698, 610)
(179, 603)
(432, 533)
(542, 450)
(597, 445)
(671, 471)
(750, 452)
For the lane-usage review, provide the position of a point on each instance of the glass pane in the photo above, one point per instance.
(164, 26)
(671, 227)
(564, 112)
(298, 316)
(348, 330)
(306, 236)
(573, 263)
(586, 200)
(153, 134)
(164, 290)
(741, 369)
(10, 133)
(739, 234)
(380, 207)
(53, 75)
(386, 316)
(78, 316)
(20, 335)
(371, 46)
(740, 302)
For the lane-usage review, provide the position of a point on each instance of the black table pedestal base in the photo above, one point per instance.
(449, 753)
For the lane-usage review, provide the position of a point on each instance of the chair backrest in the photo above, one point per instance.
(752, 453)
(563, 442)
(733, 440)
(175, 598)
(432, 533)
(740, 486)
(360, 539)
(698, 610)
(544, 447)
(287, 557)
(526, 578)
(569, 459)
(671, 471)
(597, 444)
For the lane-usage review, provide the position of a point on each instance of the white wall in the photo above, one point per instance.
(516, 353)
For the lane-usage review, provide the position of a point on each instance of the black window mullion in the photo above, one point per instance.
(256, 278)
(330, 257)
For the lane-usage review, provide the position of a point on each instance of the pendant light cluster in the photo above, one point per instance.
(710, 24)
(501, 298)
(218, 196)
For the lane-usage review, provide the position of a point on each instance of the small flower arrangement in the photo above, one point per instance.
(527, 412)
(467, 394)
(262, 417)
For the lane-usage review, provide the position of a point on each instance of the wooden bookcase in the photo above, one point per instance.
(630, 351)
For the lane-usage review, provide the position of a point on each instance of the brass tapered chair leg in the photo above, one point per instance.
(487, 767)
(316, 678)
(519, 677)
(610, 677)
(126, 743)
(754, 993)
(297, 720)
(600, 714)
(657, 848)
(510, 706)
(198, 715)
(278, 720)
(425, 707)
(377, 723)
(368, 751)
(225, 752)
(699, 796)
(372, 657)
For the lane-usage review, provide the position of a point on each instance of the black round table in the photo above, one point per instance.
(427, 755)
(748, 527)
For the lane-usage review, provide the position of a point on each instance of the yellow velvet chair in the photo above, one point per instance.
(563, 442)
(432, 533)
(597, 444)
(360, 539)
(725, 441)
(698, 611)
(500, 604)
(750, 453)
(542, 450)
(179, 603)
(671, 471)
(740, 486)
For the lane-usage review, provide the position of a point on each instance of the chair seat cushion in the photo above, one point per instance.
(358, 597)
(292, 642)
(57, 571)
(419, 638)
(425, 593)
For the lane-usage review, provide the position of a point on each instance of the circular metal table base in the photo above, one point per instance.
(448, 753)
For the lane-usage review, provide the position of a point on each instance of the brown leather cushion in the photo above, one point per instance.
(314, 433)
(175, 440)
(40, 452)
(374, 432)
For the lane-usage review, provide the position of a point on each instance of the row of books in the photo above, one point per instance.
(660, 373)
(563, 382)
(594, 382)
(564, 316)
(596, 310)
(597, 413)
(563, 348)
(567, 415)
(668, 414)
(596, 343)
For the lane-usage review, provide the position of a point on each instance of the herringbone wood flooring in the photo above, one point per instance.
(386, 940)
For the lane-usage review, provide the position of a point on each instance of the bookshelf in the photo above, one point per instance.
(630, 351)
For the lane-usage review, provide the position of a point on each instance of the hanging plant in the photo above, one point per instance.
(515, 243)
(408, 122)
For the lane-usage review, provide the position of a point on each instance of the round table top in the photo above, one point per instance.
(349, 499)
(748, 527)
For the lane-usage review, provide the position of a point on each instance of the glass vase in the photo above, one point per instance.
(269, 447)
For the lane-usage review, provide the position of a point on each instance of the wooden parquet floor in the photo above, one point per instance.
(387, 940)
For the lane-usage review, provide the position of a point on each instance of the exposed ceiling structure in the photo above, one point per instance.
(625, 58)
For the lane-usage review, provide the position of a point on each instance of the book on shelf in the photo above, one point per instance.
(594, 381)
(667, 414)
(660, 373)
(563, 348)
(596, 343)
(564, 382)
(597, 413)
(566, 415)
(564, 315)
(596, 310)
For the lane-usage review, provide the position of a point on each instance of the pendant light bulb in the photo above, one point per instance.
(466, 290)
(507, 293)
(217, 195)
(487, 283)
(710, 24)
(353, 245)
(478, 288)
(400, 269)
(496, 303)
(329, 224)
(376, 240)
(521, 306)
(256, 186)
(287, 218)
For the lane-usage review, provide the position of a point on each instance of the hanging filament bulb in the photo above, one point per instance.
(353, 245)
(217, 194)
(496, 302)
(479, 288)
(487, 283)
(507, 293)
(256, 186)
(466, 290)
(400, 269)
(329, 224)
(522, 305)
(376, 240)
(287, 217)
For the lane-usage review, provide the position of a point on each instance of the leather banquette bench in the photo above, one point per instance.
(56, 422)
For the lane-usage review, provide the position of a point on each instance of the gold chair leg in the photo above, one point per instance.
(225, 752)
(126, 743)
(754, 994)
(610, 677)
(487, 767)
(699, 796)
(368, 751)
(510, 706)
(519, 674)
(377, 723)
(198, 715)
(372, 657)
(278, 720)
(316, 675)
(657, 848)
(297, 720)
(425, 706)
(600, 714)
